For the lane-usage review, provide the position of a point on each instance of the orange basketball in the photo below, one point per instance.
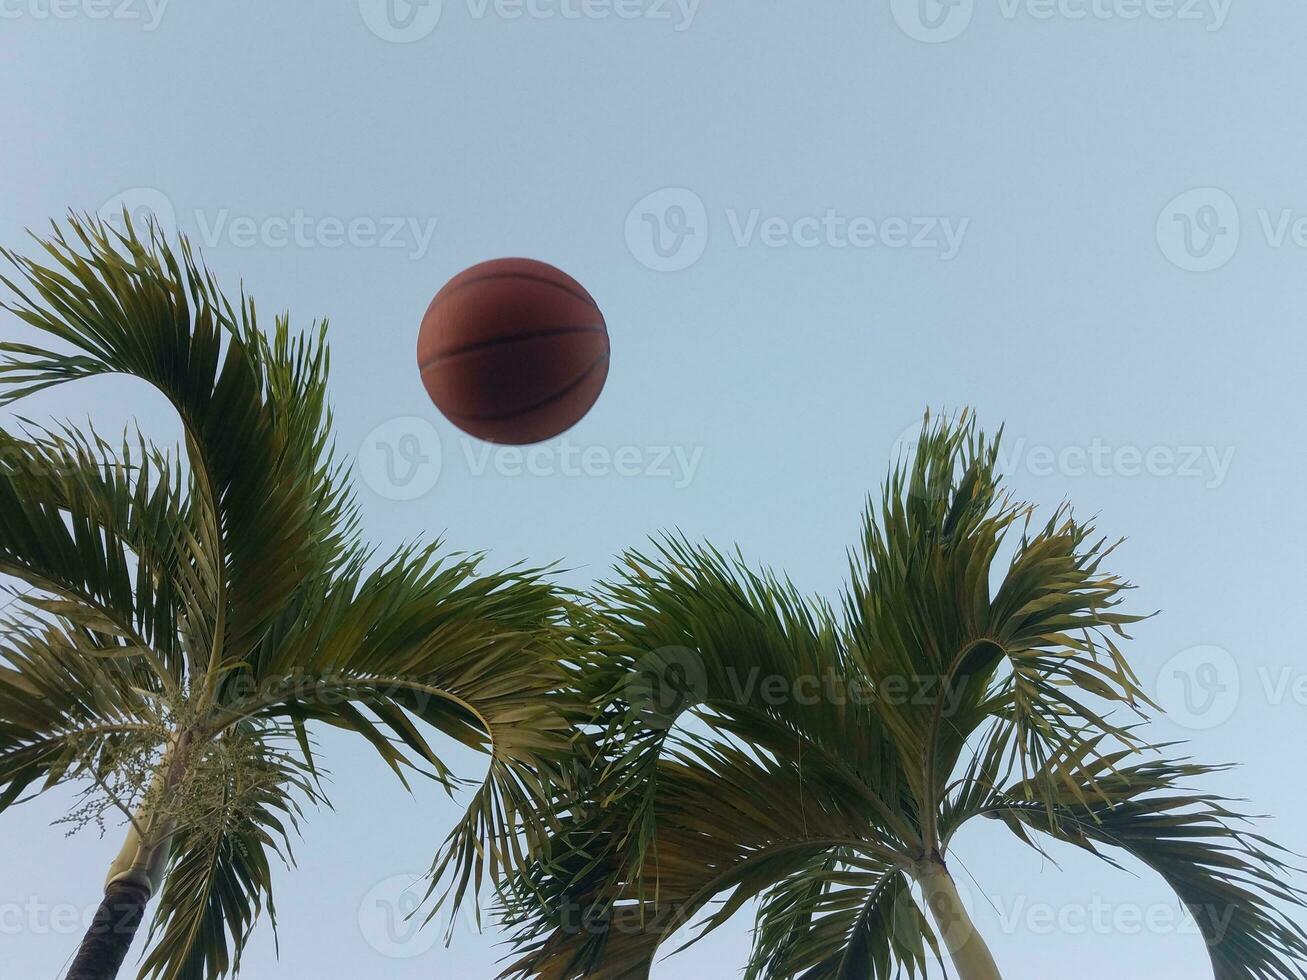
(513, 351)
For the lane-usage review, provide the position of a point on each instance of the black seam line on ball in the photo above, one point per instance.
(501, 341)
(529, 276)
(500, 417)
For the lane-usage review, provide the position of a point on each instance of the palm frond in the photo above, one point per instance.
(758, 660)
(253, 409)
(724, 826)
(227, 594)
(421, 638)
(983, 650)
(107, 534)
(922, 608)
(842, 918)
(72, 700)
(1233, 881)
(219, 878)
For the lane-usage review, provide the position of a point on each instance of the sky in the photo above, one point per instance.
(805, 224)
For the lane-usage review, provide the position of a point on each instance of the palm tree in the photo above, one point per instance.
(188, 617)
(820, 761)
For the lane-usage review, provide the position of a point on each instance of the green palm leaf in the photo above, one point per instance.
(193, 618)
(1233, 881)
(976, 667)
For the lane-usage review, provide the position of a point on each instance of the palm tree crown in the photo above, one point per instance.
(188, 617)
(819, 760)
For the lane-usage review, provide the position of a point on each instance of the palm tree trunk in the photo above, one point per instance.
(971, 957)
(134, 876)
(106, 943)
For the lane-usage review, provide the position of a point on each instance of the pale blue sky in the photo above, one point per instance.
(863, 208)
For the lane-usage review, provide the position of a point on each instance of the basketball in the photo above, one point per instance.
(513, 351)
